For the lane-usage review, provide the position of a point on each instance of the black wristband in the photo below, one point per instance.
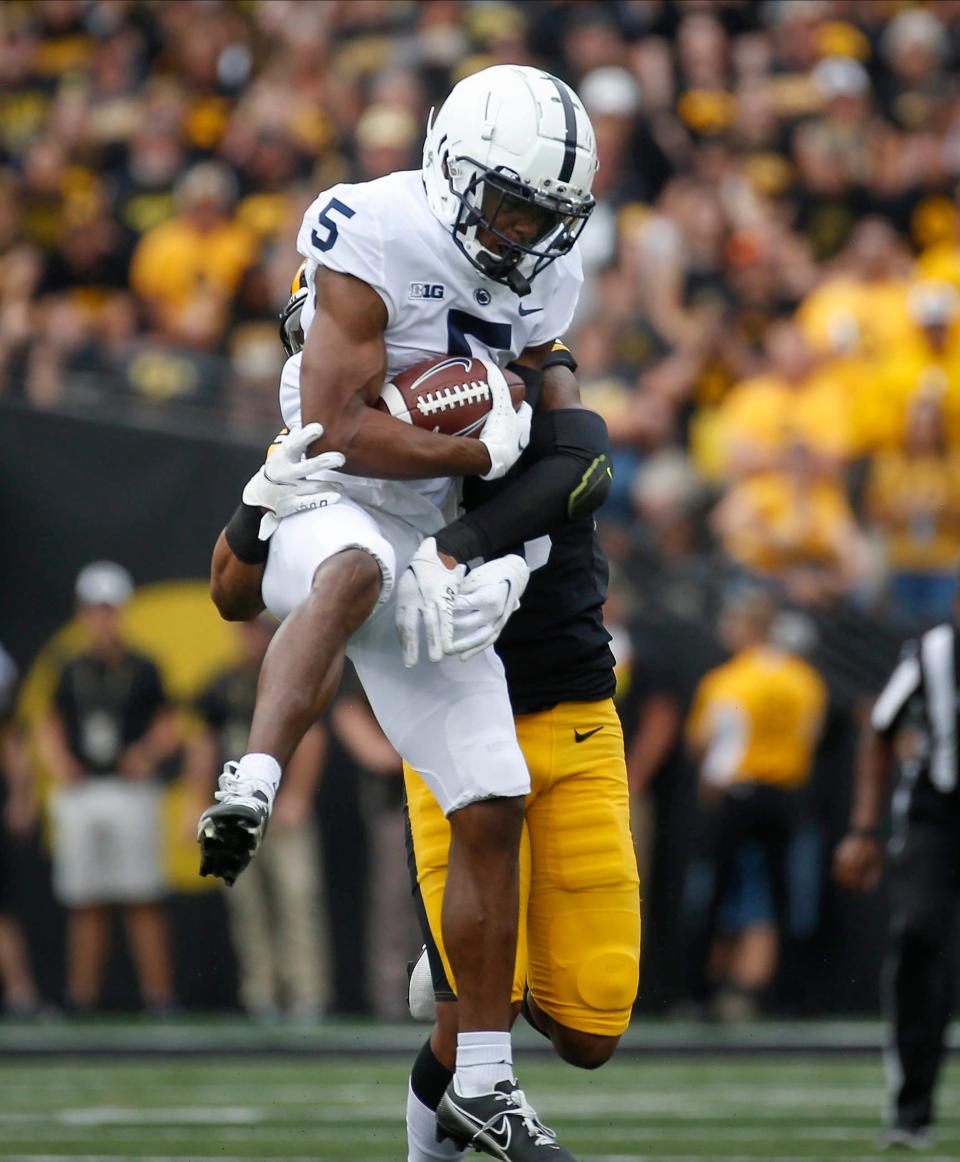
(243, 536)
(560, 356)
(460, 541)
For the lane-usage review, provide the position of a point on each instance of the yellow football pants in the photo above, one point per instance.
(579, 937)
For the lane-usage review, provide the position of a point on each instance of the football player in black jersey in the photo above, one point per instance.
(579, 949)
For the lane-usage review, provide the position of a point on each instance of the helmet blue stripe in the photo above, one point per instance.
(570, 119)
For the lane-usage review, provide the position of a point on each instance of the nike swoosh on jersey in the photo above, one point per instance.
(532, 311)
(582, 736)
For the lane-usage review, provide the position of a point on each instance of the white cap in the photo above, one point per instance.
(104, 583)
(914, 26)
(610, 91)
(841, 76)
(794, 632)
(933, 304)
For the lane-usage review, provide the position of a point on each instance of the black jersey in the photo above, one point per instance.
(106, 706)
(555, 647)
(921, 697)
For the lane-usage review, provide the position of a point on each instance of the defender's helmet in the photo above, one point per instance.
(505, 135)
(291, 332)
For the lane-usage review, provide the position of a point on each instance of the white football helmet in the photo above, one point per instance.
(511, 134)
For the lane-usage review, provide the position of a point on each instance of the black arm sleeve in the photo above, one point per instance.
(243, 535)
(569, 477)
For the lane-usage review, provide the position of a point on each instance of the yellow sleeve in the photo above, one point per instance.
(738, 412)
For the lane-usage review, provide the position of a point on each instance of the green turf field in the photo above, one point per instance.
(320, 1110)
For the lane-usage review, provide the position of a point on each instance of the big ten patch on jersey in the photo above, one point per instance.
(384, 233)
(427, 290)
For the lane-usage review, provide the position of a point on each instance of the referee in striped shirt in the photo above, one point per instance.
(915, 722)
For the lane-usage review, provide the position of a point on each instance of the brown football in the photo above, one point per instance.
(449, 394)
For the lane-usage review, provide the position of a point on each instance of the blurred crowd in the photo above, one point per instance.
(771, 319)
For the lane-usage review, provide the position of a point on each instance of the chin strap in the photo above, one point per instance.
(513, 278)
(517, 283)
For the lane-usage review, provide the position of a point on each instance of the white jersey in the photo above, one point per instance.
(384, 233)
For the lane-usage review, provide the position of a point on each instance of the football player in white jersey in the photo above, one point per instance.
(473, 255)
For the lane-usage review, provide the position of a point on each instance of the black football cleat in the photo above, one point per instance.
(501, 1124)
(230, 831)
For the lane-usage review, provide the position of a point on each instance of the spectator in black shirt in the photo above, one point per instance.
(104, 737)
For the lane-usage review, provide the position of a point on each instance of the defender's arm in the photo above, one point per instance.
(569, 476)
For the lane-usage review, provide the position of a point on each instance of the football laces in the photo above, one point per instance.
(455, 396)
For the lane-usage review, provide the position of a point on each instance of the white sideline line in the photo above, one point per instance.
(712, 1103)
(182, 1115)
(694, 1124)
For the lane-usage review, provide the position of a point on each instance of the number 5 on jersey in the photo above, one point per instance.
(331, 227)
(495, 336)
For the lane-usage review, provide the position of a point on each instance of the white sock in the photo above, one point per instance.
(264, 770)
(422, 1144)
(483, 1059)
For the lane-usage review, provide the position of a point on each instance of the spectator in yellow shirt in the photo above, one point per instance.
(926, 359)
(798, 398)
(796, 528)
(862, 308)
(186, 272)
(913, 498)
(753, 725)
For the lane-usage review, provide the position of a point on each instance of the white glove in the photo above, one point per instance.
(283, 485)
(428, 589)
(487, 597)
(505, 432)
